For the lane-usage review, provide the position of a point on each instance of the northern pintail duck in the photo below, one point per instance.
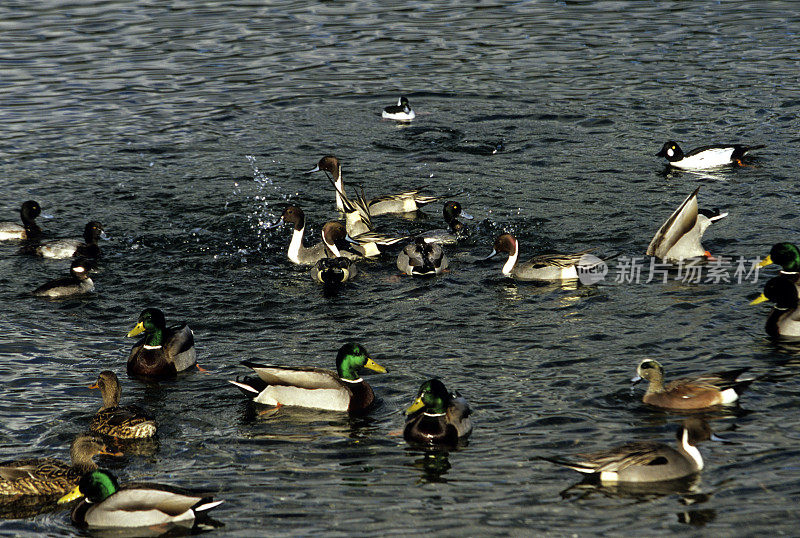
(437, 417)
(704, 157)
(544, 267)
(455, 228)
(333, 233)
(29, 229)
(48, 476)
(123, 422)
(399, 112)
(68, 248)
(679, 237)
(784, 320)
(163, 351)
(696, 392)
(343, 390)
(106, 505)
(644, 461)
(404, 202)
(421, 258)
(77, 283)
(334, 271)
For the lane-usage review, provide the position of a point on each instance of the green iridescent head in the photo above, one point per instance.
(432, 396)
(786, 255)
(95, 485)
(152, 323)
(352, 358)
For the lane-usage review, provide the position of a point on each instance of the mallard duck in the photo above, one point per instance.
(107, 505)
(784, 320)
(77, 283)
(544, 267)
(644, 461)
(68, 248)
(163, 351)
(787, 255)
(124, 422)
(704, 157)
(421, 258)
(455, 228)
(437, 417)
(399, 112)
(695, 392)
(47, 476)
(679, 237)
(343, 390)
(29, 229)
(334, 271)
(404, 202)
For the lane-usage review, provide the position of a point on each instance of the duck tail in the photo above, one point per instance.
(246, 388)
(205, 504)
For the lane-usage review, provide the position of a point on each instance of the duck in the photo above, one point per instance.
(455, 228)
(334, 271)
(644, 461)
(545, 267)
(437, 417)
(48, 476)
(405, 202)
(679, 237)
(68, 248)
(697, 392)
(106, 505)
(399, 112)
(162, 352)
(421, 258)
(77, 283)
(316, 388)
(332, 235)
(29, 229)
(784, 320)
(704, 157)
(787, 255)
(122, 422)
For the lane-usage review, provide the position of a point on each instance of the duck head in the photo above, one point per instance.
(352, 358)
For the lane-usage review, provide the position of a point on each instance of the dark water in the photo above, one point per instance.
(183, 128)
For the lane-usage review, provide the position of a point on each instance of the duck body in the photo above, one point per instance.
(106, 505)
(315, 388)
(784, 319)
(334, 271)
(122, 422)
(437, 417)
(163, 351)
(704, 157)
(545, 267)
(421, 258)
(696, 392)
(455, 228)
(68, 248)
(78, 283)
(679, 237)
(400, 112)
(28, 229)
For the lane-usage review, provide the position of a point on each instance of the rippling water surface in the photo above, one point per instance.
(183, 129)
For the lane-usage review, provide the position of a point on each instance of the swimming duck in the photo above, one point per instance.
(679, 237)
(334, 271)
(545, 267)
(695, 392)
(107, 505)
(787, 255)
(123, 422)
(332, 235)
(399, 112)
(77, 283)
(47, 476)
(68, 248)
(644, 461)
(455, 228)
(404, 202)
(343, 390)
(421, 258)
(437, 417)
(163, 351)
(704, 157)
(29, 229)
(784, 320)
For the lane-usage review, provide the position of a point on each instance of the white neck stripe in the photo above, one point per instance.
(359, 380)
(151, 347)
(433, 414)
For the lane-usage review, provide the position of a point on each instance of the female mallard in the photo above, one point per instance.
(697, 392)
(47, 476)
(315, 387)
(29, 229)
(124, 422)
(68, 248)
(784, 320)
(421, 258)
(437, 417)
(106, 505)
(163, 351)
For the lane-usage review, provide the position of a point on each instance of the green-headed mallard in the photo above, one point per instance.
(106, 505)
(29, 229)
(47, 476)
(437, 417)
(124, 422)
(787, 255)
(696, 392)
(163, 351)
(784, 320)
(315, 387)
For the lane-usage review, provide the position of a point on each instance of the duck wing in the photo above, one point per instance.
(179, 347)
(616, 459)
(676, 226)
(301, 377)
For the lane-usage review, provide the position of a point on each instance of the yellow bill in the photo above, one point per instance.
(416, 406)
(137, 330)
(71, 496)
(372, 365)
(761, 299)
(766, 261)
